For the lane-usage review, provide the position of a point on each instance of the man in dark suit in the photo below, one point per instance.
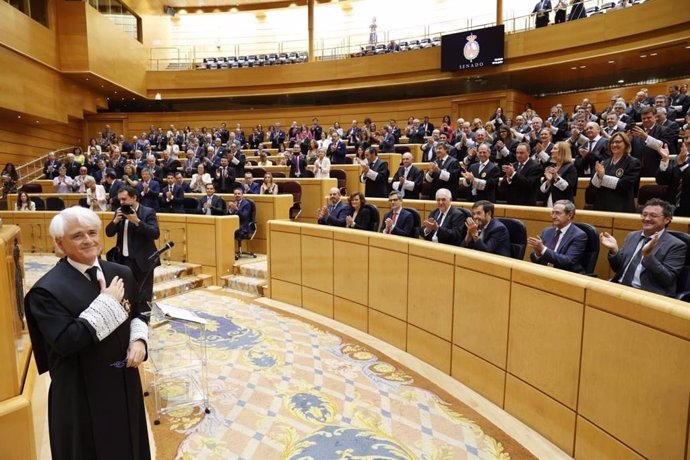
(651, 258)
(51, 167)
(522, 178)
(679, 101)
(168, 164)
(647, 140)
(542, 10)
(224, 179)
(676, 175)
(180, 182)
(484, 233)
(242, 208)
(337, 150)
(236, 160)
(297, 163)
(427, 126)
(408, 179)
(136, 227)
(445, 224)
(374, 175)
(444, 172)
(671, 126)
(482, 176)
(71, 166)
(148, 190)
(335, 212)
(172, 196)
(77, 326)
(276, 136)
(398, 221)
(212, 204)
(595, 149)
(563, 245)
(387, 144)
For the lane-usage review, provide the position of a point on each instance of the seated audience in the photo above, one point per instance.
(148, 189)
(408, 178)
(62, 182)
(484, 233)
(224, 179)
(335, 212)
(263, 160)
(268, 187)
(445, 224)
(521, 179)
(51, 166)
(617, 177)
(23, 202)
(560, 176)
(212, 204)
(248, 185)
(78, 183)
(563, 245)
(651, 258)
(200, 180)
(374, 174)
(646, 140)
(184, 185)
(130, 176)
(359, 216)
(297, 163)
(398, 221)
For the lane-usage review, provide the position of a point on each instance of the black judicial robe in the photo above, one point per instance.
(95, 406)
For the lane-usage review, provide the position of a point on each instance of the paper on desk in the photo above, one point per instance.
(180, 313)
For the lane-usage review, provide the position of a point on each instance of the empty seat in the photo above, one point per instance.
(591, 254)
(54, 203)
(32, 188)
(375, 218)
(38, 201)
(518, 236)
(294, 188)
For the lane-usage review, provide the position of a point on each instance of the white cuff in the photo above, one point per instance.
(609, 182)
(444, 175)
(544, 157)
(479, 184)
(235, 161)
(408, 185)
(663, 165)
(684, 167)
(371, 174)
(427, 177)
(504, 152)
(654, 144)
(561, 184)
(396, 185)
(545, 186)
(554, 129)
(105, 314)
(138, 330)
(582, 140)
(596, 181)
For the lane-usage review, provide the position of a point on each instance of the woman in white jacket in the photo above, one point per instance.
(322, 166)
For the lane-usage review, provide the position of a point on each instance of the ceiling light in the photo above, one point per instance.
(36, 121)
(612, 62)
(583, 66)
(19, 116)
(573, 68)
(115, 92)
(653, 54)
(621, 81)
(643, 56)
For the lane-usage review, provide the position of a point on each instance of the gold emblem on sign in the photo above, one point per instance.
(619, 172)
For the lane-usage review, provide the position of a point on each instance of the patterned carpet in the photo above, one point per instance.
(283, 388)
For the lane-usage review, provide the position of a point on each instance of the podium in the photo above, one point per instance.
(177, 360)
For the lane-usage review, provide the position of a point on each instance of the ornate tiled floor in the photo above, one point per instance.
(283, 388)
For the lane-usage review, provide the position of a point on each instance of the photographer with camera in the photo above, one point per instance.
(136, 227)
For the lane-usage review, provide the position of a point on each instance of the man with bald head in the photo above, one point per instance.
(335, 212)
(592, 151)
(408, 179)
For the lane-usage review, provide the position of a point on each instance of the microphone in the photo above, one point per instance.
(167, 246)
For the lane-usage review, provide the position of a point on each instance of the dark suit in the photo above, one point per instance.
(141, 241)
(427, 128)
(683, 100)
(297, 160)
(450, 165)
(414, 175)
(453, 229)
(176, 203)
(388, 143)
(659, 270)
(494, 239)
(568, 254)
(597, 152)
(542, 19)
(337, 152)
(54, 172)
(224, 179)
(524, 185)
(490, 174)
(674, 178)
(568, 173)
(622, 198)
(649, 158)
(239, 165)
(150, 198)
(244, 211)
(363, 219)
(337, 214)
(404, 225)
(376, 188)
(72, 169)
(217, 205)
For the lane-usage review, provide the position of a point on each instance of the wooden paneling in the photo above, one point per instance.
(388, 329)
(353, 258)
(350, 313)
(482, 376)
(22, 142)
(24, 35)
(592, 442)
(430, 296)
(386, 268)
(629, 369)
(317, 273)
(429, 348)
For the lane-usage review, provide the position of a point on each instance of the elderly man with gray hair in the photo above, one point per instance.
(445, 224)
(562, 245)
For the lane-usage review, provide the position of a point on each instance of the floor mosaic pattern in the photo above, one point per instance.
(283, 388)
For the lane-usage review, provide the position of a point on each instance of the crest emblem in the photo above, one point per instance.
(471, 49)
(619, 172)
(483, 174)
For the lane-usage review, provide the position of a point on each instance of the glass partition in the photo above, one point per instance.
(119, 15)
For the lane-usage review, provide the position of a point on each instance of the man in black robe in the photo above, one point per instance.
(91, 338)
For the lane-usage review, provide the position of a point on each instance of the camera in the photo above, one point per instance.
(126, 209)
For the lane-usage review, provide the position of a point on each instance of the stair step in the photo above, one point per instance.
(174, 270)
(179, 285)
(247, 284)
(255, 269)
(241, 295)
